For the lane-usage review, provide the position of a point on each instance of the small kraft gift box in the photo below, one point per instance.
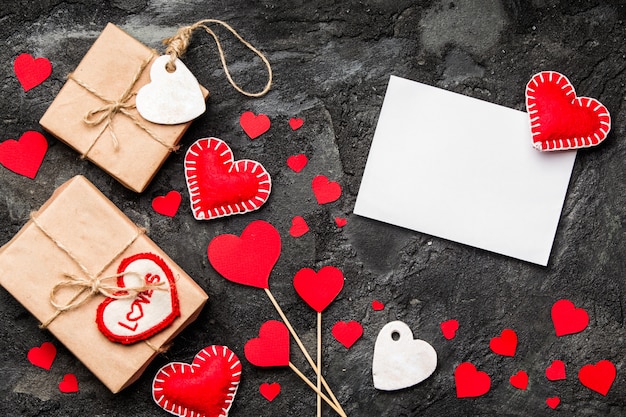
(98, 283)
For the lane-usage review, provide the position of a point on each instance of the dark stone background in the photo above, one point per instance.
(332, 61)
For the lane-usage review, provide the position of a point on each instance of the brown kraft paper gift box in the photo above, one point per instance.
(119, 141)
(98, 236)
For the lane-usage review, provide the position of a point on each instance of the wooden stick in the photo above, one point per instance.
(319, 363)
(338, 409)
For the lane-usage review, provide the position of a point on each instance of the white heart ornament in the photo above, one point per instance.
(399, 360)
(171, 97)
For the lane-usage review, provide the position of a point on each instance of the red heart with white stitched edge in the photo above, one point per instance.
(559, 119)
(220, 186)
(206, 388)
(167, 204)
(30, 71)
(598, 377)
(130, 319)
(43, 356)
(347, 333)
(254, 125)
(319, 289)
(25, 155)
(471, 382)
(271, 348)
(505, 344)
(568, 319)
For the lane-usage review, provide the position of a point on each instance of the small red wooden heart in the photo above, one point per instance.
(553, 402)
(271, 348)
(505, 344)
(270, 391)
(299, 227)
(25, 155)
(519, 380)
(449, 328)
(347, 333)
(598, 377)
(43, 356)
(470, 382)
(168, 204)
(560, 120)
(556, 371)
(31, 72)
(377, 305)
(319, 289)
(220, 186)
(69, 384)
(341, 221)
(248, 259)
(568, 319)
(205, 388)
(254, 125)
(295, 123)
(325, 191)
(297, 162)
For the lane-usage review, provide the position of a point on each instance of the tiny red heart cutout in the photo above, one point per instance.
(449, 328)
(295, 123)
(168, 204)
(556, 371)
(553, 402)
(325, 191)
(297, 162)
(505, 344)
(471, 382)
(271, 348)
(377, 305)
(254, 125)
(43, 356)
(519, 380)
(299, 227)
(270, 391)
(248, 259)
(319, 289)
(25, 155)
(30, 71)
(69, 384)
(598, 377)
(568, 319)
(341, 221)
(347, 333)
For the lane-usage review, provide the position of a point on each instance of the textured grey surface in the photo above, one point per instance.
(332, 61)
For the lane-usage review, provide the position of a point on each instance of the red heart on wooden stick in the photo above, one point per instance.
(347, 333)
(299, 227)
(168, 204)
(470, 382)
(295, 123)
(598, 377)
(254, 125)
(325, 191)
(25, 155)
(69, 384)
(519, 380)
(556, 371)
(43, 356)
(271, 348)
(505, 344)
(568, 319)
(270, 391)
(297, 162)
(319, 289)
(31, 72)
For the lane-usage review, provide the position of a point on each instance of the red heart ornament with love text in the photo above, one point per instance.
(568, 319)
(206, 388)
(299, 227)
(69, 384)
(519, 380)
(449, 328)
(270, 391)
(598, 377)
(168, 204)
(297, 162)
(130, 319)
(30, 71)
(559, 119)
(325, 191)
(505, 344)
(295, 123)
(254, 125)
(25, 155)
(347, 333)
(248, 259)
(43, 356)
(556, 371)
(271, 348)
(471, 382)
(220, 186)
(319, 289)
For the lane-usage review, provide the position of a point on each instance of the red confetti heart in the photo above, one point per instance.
(347, 333)
(298, 226)
(470, 382)
(449, 328)
(295, 123)
(270, 391)
(568, 319)
(254, 125)
(248, 259)
(69, 384)
(519, 380)
(207, 387)
(31, 72)
(377, 305)
(297, 162)
(553, 402)
(25, 155)
(220, 186)
(325, 191)
(598, 377)
(505, 344)
(556, 371)
(168, 204)
(560, 120)
(43, 356)
(319, 289)
(341, 221)
(271, 348)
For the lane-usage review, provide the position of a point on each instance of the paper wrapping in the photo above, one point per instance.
(84, 221)
(109, 68)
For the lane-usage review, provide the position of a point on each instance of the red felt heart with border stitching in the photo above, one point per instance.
(297, 162)
(560, 120)
(254, 125)
(519, 380)
(271, 348)
(347, 333)
(25, 155)
(471, 382)
(449, 328)
(220, 186)
(505, 344)
(167, 204)
(43, 356)
(319, 289)
(598, 377)
(299, 227)
(553, 402)
(556, 371)
(206, 388)
(568, 319)
(69, 384)
(325, 191)
(295, 123)
(30, 71)
(270, 391)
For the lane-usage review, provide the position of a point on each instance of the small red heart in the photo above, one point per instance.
(449, 328)
(69, 384)
(559, 119)
(248, 259)
(298, 226)
(341, 221)
(271, 348)
(319, 289)
(254, 125)
(325, 191)
(556, 371)
(598, 377)
(470, 382)
(568, 319)
(297, 162)
(295, 123)
(347, 333)
(553, 402)
(270, 391)
(505, 344)
(377, 305)
(43, 356)
(519, 380)
(31, 72)
(25, 155)
(168, 204)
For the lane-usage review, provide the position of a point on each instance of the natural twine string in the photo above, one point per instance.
(178, 44)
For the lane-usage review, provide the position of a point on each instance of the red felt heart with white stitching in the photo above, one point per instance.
(220, 186)
(559, 119)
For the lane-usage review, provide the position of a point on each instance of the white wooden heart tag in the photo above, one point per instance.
(171, 97)
(399, 360)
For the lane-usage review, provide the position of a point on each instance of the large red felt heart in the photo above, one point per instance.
(271, 348)
(556, 371)
(168, 204)
(325, 191)
(560, 120)
(248, 259)
(219, 186)
(319, 289)
(43, 356)
(347, 333)
(31, 72)
(568, 319)
(598, 377)
(470, 382)
(254, 125)
(505, 344)
(206, 388)
(519, 380)
(270, 391)
(25, 155)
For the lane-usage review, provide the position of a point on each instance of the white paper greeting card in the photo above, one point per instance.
(463, 169)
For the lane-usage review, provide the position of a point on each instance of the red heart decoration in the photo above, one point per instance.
(553, 402)
(556, 371)
(69, 384)
(168, 204)
(319, 289)
(271, 348)
(219, 186)
(347, 333)
(43, 356)
(560, 120)
(270, 391)
(470, 382)
(248, 259)
(207, 387)
(449, 328)
(377, 305)
(295, 123)
(297, 162)
(505, 344)
(25, 155)
(325, 191)
(519, 380)
(31, 72)
(341, 221)
(568, 319)
(254, 125)
(298, 226)
(598, 377)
